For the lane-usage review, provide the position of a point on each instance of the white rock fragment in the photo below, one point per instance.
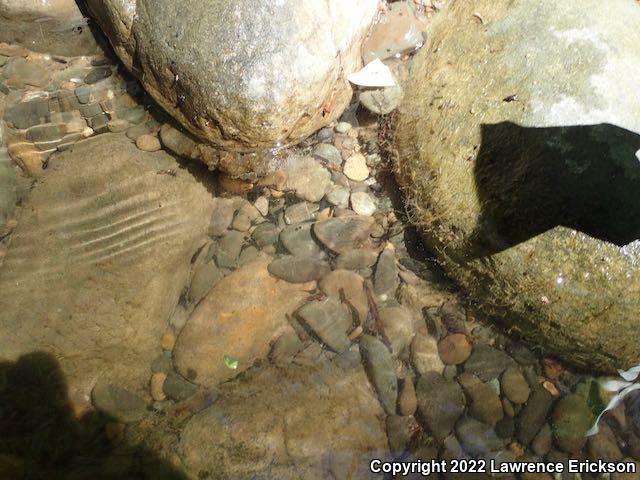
(374, 74)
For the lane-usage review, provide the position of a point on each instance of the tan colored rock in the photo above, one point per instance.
(83, 279)
(407, 400)
(424, 355)
(239, 318)
(155, 386)
(28, 157)
(350, 284)
(355, 168)
(168, 340)
(148, 143)
(454, 349)
(307, 422)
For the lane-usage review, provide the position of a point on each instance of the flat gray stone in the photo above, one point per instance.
(342, 234)
(380, 369)
(299, 269)
(117, 402)
(297, 239)
(440, 404)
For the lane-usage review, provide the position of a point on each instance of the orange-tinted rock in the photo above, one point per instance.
(239, 319)
(454, 349)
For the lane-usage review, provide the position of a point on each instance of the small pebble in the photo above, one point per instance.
(265, 234)
(381, 101)
(407, 400)
(514, 386)
(356, 259)
(168, 340)
(328, 152)
(148, 143)
(118, 125)
(344, 233)
(355, 168)
(362, 203)
(424, 355)
(300, 212)
(298, 269)
(262, 205)
(339, 196)
(454, 349)
(343, 127)
(156, 386)
(330, 320)
(325, 135)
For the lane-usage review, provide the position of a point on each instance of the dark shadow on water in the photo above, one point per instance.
(530, 180)
(40, 438)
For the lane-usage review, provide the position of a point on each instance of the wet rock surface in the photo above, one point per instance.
(381, 356)
(281, 419)
(240, 327)
(52, 26)
(105, 240)
(497, 210)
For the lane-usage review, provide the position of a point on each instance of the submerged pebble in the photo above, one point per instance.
(298, 269)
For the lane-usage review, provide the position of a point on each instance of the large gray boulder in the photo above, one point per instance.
(97, 262)
(243, 75)
(517, 147)
(51, 26)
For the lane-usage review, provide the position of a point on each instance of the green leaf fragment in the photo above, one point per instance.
(230, 362)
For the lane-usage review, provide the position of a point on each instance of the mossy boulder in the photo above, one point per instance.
(518, 150)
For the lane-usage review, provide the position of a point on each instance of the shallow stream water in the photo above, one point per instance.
(170, 322)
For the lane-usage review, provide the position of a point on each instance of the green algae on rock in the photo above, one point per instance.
(517, 147)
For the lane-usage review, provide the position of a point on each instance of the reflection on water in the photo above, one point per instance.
(157, 322)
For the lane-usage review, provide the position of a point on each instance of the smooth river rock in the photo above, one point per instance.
(521, 164)
(242, 75)
(97, 263)
(238, 319)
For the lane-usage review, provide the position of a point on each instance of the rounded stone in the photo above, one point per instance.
(407, 400)
(424, 355)
(148, 143)
(570, 420)
(454, 349)
(514, 386)
(355, 168)
(117, 402)
(522, 167)
(246, 75)
(381, 101)
(363, 203)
